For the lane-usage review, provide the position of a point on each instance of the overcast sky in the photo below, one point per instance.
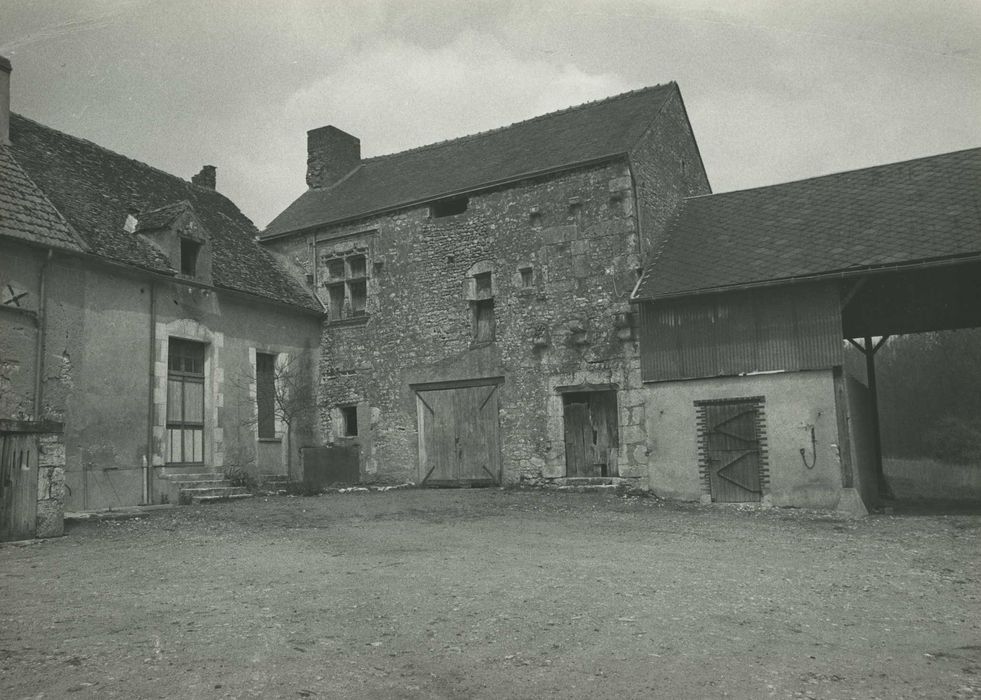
(775, 90)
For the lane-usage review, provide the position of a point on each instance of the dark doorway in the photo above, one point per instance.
(592, 438)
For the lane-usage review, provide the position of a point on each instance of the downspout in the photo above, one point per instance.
(41, 334)
(148, 457)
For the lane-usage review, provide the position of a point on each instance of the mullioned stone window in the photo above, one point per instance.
(346, 284)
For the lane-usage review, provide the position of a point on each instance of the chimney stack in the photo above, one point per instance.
(331, 154)
(5, 69)
(206, 178)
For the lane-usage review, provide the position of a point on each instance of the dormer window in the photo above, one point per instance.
(189, 257)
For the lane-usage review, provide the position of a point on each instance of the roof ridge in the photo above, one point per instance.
(834, 174)
(112, 152)
(539, 117)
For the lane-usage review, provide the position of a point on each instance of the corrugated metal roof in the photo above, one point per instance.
(914, 211)
(557, 140)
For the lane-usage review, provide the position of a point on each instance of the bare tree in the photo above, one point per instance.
(291, 395)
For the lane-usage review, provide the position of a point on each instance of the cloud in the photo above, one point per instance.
(397, 95)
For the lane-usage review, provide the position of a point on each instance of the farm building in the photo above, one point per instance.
(141, 328)
(745, 308)
(479, 326)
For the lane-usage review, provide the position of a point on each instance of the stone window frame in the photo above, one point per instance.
(345, 290)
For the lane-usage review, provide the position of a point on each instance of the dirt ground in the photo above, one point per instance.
(493, 594)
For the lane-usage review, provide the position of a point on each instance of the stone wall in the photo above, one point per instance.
(564, 252)
(51, 490)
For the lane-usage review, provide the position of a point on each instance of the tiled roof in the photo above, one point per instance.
(94, 189)
(915, 211)
(553, 141)
(25, 212)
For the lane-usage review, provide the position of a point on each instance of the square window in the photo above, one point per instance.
(527, 277)
(335, 269)
(356, 267)
(483, 285)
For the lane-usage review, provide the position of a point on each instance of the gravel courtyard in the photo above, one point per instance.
(493, 594)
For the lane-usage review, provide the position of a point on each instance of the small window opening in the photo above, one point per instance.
(483, 321)
(189, 257)
(449, 207)
(535, 217)
(527, 277)
(335, 301)
(335, 269)
(483, 285)
(357, 267)
(349, 421)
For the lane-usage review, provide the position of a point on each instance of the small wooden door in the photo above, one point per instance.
(458, 436)
(591, 433)
(18, 486)
(733, 451)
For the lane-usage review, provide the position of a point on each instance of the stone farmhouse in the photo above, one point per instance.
(479, 326)
(562, 300)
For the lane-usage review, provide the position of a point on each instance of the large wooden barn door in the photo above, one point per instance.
(732, 448)
(18, 486)
(458, 436)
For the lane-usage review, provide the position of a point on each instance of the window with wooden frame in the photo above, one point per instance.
(265, 395)
(185, 402)
(346, 282)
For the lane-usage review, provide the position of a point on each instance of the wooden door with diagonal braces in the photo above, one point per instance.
(733, 451)
(458, 435)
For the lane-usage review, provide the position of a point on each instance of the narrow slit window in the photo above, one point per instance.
(359, 297)
(189, 257)
(483, 321)
(335, 301)
(349, 421)
(265, 394)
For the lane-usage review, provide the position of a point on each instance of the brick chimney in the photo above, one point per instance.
(331, 154)
(206, 178)
(5, 69)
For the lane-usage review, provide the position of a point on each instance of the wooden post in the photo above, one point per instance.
(870, 350)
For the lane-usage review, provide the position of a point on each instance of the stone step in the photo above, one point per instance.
(216, 499)
(219, 491)
(190, 478)
(590, 481)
